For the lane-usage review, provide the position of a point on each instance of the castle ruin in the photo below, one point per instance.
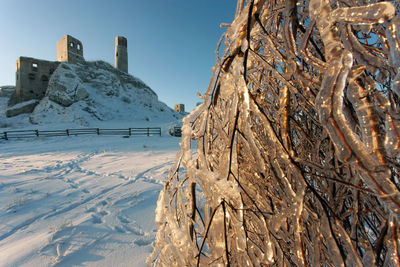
(69, 49)
(121, 53)
(31, 79)
(33, 75)
(179, 108)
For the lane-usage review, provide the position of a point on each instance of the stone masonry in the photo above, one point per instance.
(180, 108)
(31, 79)
(121, 53)
(69, 49)
(32, 75)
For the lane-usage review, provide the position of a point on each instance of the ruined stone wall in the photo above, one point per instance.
(32, 78)
(69, 49)
(33, 75)
(121, 53)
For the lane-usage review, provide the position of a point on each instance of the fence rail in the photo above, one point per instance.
(149, 131)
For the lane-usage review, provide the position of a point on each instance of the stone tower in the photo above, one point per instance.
(121, 53)
(69, 49)
(180, 108)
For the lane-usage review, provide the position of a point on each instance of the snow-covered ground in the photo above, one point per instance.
(81, 200)
(84, 200)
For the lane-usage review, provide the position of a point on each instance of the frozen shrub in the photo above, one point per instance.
(298, 143)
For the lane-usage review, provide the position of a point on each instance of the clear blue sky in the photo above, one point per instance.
(171, 43)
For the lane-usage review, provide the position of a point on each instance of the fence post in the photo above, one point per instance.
(37, 132)
(148, 131)
(5, 136)
(130, 131)
(67, 132)
(159, 128)
(98, 131)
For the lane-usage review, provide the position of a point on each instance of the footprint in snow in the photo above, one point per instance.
(123, 220)
(144, 241)
(90, 173)
(134, 230)
(96, 219)
(92, 209)
(128, 226)
(119, 229)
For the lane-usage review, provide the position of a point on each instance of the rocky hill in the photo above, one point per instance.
(89, 92)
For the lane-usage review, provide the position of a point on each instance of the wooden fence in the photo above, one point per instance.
(149, 131)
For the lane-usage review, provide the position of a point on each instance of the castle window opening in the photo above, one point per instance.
(45, 81)
(44, 78)
(34, 66)
(71, 44)
(78, 46)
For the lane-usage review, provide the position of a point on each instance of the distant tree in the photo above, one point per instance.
(297, 143)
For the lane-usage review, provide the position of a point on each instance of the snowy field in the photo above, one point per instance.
(81, 200)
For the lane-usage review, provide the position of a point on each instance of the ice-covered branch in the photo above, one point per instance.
(296, 161)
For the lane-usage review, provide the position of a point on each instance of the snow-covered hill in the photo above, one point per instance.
(90, 93)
